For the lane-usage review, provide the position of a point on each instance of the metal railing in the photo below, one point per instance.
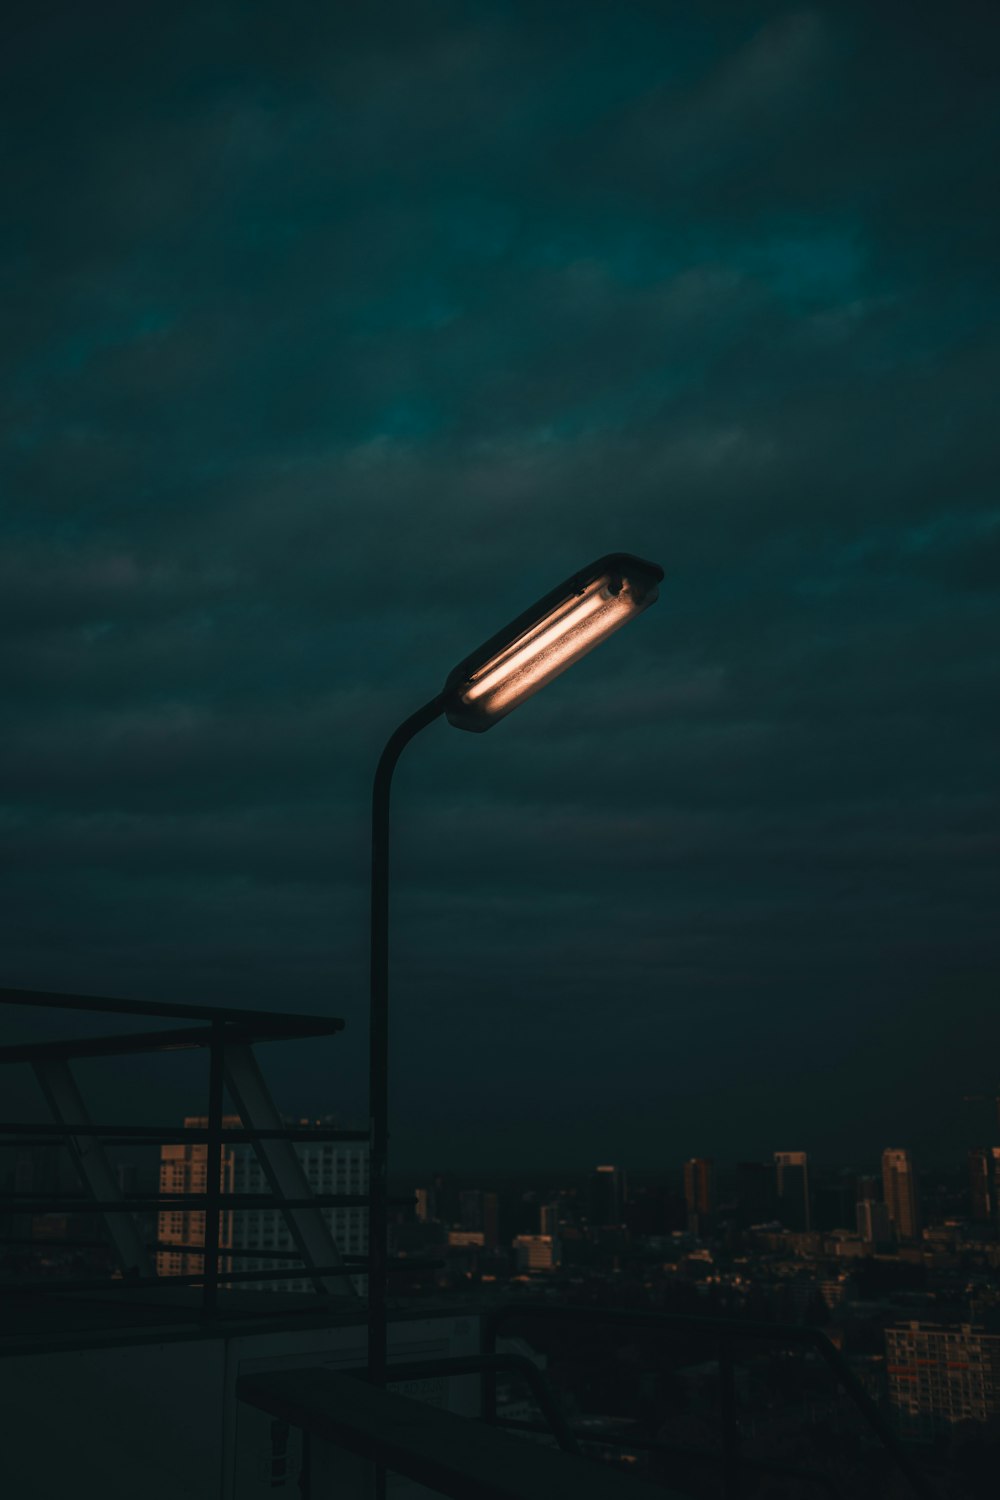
(725, 1333)
(439, 1449)
(228, 1035)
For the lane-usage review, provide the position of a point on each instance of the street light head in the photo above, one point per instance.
(548, 638)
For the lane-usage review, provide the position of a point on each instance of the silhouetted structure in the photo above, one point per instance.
(607, 1198)
(480, 1211)
(791, 1189)
(872, 1221)
(699, 1193)
(984, 1184)
(899, 1189)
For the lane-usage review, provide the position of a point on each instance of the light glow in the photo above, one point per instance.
(568, 625)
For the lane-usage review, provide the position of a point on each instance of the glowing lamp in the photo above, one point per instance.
(548, 638)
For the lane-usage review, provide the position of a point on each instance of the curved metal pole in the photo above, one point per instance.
(378, 1037)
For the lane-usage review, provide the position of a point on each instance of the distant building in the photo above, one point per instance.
(699, 1193)
(481, 1211)
(939, 1375)
(184, 1169)
(536, 1252)
(548, 1219)
(36, 1170)
(899, 1189)
(984, 1184)
(491, 1220)
(873, 1221)
(464, 1239)
(425, 1205)
(791, 1188)
(330, 1167)
(607, 1198)
(470, 1208)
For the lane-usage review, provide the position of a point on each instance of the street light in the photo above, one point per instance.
(508, 668)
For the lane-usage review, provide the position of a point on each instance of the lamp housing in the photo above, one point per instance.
(547, 638)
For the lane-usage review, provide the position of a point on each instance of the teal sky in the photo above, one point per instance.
(333, 335)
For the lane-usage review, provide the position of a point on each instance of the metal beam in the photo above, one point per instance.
(56, 1080)
(285, 1176)
(273, 1024)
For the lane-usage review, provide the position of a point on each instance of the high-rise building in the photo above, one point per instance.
(184, 1169)
(491, 1220)
(899, 1190)
(470, 1208)
(36, 1170)
(425, 1205)
(867, 1187)
(873, 1221)
(699, 1193)
(984, 1184)
(791, 1189)
(330, 1167)
(607, 1198)
(548, 1219)
(940, 1375)
(479, 1210)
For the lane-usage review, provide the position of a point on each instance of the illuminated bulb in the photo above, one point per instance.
(545, 640)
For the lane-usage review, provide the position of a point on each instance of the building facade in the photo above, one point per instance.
(184, 1169)
(330, 1167)
(536, 1252)
(699, 1193)
(984, 1184)
(791, 1190)
(939, 1375)
(872, 1221)
(607, 1198)
(899, 1191)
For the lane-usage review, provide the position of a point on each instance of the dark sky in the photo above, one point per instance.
(332, 335)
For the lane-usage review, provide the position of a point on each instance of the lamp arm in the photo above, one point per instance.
(378, 1036)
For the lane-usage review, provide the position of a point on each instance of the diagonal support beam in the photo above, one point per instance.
(281, 1166)
(62, 1094)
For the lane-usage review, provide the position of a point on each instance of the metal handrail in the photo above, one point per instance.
(174, 1134)
(476, 1364)
(351, 1265)
(277, 1023)
(222, 1027)
(225, 1252)
(676, 1450)
(726, 1332)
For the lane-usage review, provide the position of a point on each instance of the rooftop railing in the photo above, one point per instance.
(228, 1035)
(725, 1334)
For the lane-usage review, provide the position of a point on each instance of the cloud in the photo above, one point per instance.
(334, 344)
